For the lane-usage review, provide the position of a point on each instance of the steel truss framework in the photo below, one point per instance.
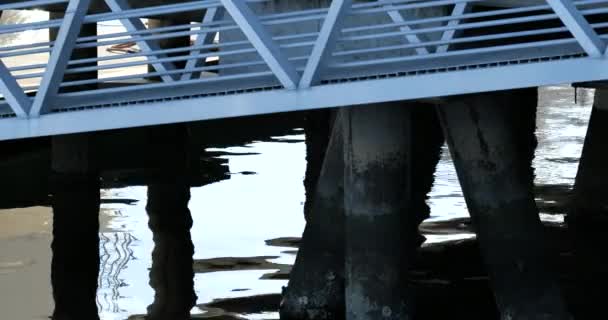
(358, 53)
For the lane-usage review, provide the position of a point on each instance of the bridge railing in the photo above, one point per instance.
(266, 45)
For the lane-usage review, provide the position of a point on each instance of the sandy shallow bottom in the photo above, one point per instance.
(25, 263)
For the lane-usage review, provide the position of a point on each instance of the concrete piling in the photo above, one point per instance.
(589, 198)
(318, 128)
(316, 285)
(589, 211)
(381, 221)
(492, 141)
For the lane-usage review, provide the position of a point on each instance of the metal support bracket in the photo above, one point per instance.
(60, 55)
(579, 27)
(459, 9)
(13, 94)
(397, 17)
(134, 25)
(262, 41)
(325, 42)
(206, 38)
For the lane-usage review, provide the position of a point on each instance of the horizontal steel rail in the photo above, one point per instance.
(342, 54)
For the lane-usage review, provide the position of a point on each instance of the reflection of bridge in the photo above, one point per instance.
(315, 57)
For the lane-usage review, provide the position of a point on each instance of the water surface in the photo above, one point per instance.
(260, 200)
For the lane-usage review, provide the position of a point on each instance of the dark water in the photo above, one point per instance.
(245, 225)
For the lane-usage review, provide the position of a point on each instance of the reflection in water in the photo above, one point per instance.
(171, 275)
(75, 263)
(236, 274)
(75, 246)
(115, 255)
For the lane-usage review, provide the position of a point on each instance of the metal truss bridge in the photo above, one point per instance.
(277, 56)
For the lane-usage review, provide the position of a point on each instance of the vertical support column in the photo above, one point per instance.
(318, 128)
(316, 284)
(588, 214)
(171, 275)
(64, 43)
(384, 189)
(589, 200)
(427, 140)
(492, 141)
(75, 188)
(75, 200)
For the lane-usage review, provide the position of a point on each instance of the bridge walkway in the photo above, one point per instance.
(272, 59)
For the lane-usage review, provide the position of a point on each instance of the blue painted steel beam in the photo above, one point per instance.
(134, 25)
(13, 94)
(259, 37)
(325, 43)
(579, 26)
(60, 56)
(324, 96)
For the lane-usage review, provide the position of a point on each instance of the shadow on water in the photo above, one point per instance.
(129, 158)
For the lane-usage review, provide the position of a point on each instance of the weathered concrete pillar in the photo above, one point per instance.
(172, 275)
(492, 141)
(75, 200)
(588, 214)
(384, 189)
(318, 127)
(589, 198)
(316, 284)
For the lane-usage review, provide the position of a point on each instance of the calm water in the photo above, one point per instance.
(262, 200)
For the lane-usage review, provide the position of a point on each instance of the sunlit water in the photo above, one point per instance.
(234, 217)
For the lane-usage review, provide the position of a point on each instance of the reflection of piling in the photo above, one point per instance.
(171, 276)
(381, 205)
(589, 209)
(316, 285)
(491, 137)
(75, 199)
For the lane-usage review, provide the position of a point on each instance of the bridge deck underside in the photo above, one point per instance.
(277, 56)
